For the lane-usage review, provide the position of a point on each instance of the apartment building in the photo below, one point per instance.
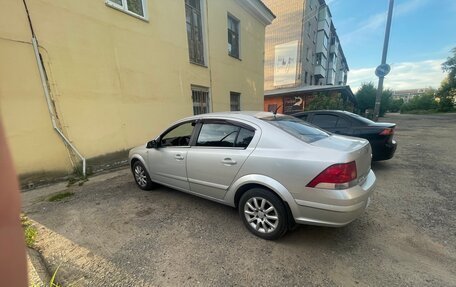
(407, 95)
(89, 79)
(303, 50)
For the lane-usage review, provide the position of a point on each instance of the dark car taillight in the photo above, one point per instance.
(387, 132)
(337, 176)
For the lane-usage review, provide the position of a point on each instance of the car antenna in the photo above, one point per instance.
(275, 111)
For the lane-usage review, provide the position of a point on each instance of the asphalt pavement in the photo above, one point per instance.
(111, 233)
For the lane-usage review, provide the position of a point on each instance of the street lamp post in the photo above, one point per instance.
(384, 68)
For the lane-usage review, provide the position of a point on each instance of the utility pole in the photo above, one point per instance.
(384, 68)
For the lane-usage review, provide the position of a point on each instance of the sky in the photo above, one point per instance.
(422, 34)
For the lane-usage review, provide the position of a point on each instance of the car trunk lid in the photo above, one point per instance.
(355, 149)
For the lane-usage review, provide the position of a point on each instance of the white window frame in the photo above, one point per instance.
(124, 8)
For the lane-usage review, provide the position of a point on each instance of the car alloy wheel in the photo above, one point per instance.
(261, 214)
(142, 178)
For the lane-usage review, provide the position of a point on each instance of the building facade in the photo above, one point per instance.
(108, 75)
(302, 48)
(407, 95)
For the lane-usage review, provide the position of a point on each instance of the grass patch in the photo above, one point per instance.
(30, 231)
(60, 196)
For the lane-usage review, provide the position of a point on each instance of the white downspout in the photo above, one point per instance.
(50, 106)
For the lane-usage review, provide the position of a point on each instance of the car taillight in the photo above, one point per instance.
(387, 132)
(337, 176)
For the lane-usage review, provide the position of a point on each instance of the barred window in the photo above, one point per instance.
(235, 101)
(200, 97)
(194, 31)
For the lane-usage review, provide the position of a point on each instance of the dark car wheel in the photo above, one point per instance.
(263, 213)
(142, 178)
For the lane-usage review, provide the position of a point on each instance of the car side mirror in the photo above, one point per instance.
(152, 144)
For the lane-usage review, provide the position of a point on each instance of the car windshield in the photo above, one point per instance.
(296, 127)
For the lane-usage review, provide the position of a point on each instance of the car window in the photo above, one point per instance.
(325, 121)
(297, 128)
(303, 117)
(244, 138)
(343, 123)
(178, 136)
(360, 118)
(217, 135)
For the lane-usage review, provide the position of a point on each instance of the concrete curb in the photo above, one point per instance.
(38, 274)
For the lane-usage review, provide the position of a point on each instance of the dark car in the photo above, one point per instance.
(379, 135)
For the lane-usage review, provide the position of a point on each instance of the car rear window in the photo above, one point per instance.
(296, 127)
(360, 118)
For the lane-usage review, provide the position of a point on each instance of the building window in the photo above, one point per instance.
(325, 41)
(308, 54)
(194, 31)
(200, 97)
(134, 7)
(235, 101)
(233, 37)
(309, 26)
(318, 59)
(311, 80)
(305, 78)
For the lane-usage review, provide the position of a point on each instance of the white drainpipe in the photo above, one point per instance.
(50, 106)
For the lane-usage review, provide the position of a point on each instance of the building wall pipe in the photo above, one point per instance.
(50, 106)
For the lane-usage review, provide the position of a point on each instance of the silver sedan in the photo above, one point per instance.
(275, 169)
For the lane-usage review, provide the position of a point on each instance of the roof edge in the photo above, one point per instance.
(259, 10)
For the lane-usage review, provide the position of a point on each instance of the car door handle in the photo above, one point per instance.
(228, 161)
(179, 157)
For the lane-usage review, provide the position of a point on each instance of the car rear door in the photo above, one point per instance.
(325, 121)
(217, 155)
(333, 122)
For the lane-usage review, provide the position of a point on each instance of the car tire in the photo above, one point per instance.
(141, 176)
(263, 213)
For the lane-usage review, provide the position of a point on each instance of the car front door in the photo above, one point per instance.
(168, 162)
(217, 155)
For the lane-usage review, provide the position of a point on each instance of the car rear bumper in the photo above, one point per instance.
(384, 151)
(351, 203)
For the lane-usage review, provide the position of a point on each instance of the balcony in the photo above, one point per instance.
(319, 71)
(334, 47)
(331, 77)
(322, 43)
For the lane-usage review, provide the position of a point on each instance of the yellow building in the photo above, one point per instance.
(117, 72)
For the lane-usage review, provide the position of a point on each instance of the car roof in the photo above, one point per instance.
(324, 111)
(242, 115)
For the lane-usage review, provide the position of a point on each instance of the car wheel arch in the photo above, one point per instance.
(291, 224)
(247, 182)
(136, 158)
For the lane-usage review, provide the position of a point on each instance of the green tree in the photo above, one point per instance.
(447, 90)
(396, 105)
(324, 101)
(424, 102)
(366, 98)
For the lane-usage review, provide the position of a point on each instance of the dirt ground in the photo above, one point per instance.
(110, 233)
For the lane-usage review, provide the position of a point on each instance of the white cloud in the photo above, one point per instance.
(407, 75)
(376, 21)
